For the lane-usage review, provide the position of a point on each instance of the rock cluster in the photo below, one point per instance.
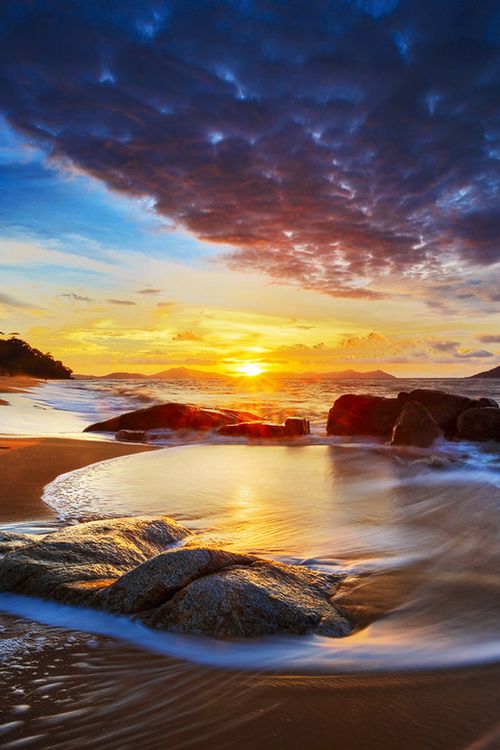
(129, 566)
(418, 417)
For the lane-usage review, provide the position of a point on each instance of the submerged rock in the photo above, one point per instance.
(293, 427)
(480, 424)
(122, 566)
(172, 416)
(415, 426)
(362, 414)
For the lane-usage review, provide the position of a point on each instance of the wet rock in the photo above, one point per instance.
(69, 565)
(132, 436)
(293, 427)
(154, 582)
(362, 414)
(415, 426)
(297, 426)
(484, 402)
(9, 541)
(172, 416)
(444, 408)
(480, 424)
(121, 566)
(262, 598)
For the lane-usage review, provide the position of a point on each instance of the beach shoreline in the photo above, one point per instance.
(52, 680)
(28, 464)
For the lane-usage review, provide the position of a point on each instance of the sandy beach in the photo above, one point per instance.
(447, 710)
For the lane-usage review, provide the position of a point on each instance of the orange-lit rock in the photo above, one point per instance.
(172, 416)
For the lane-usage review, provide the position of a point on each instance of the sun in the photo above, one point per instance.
(250, 369)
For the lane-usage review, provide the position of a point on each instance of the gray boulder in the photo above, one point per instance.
(154, 582)
(480, 424)
(260, 598)
(415, 427)
(69, 565)
(122, 566)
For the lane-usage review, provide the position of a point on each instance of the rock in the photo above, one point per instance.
(297, 426)
(9, 541)
(121, 566)
(444, 408)
(362, 414)
(415, 426)
(132, 436)
(256, 430)
(172, 416)
(293, 427)
(69, 565)
(154, 582)
(262, 598)
(484, 402)
(480, 424)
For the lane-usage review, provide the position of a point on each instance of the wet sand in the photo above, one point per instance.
(16, 384)
(28, 464)
(62, 690)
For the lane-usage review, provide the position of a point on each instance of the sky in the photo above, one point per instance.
(211, 184)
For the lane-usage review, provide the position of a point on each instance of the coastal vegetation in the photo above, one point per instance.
(17, 357)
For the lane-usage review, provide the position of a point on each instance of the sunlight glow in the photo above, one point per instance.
(250, 369)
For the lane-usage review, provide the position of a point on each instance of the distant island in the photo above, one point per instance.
(186, 373)
(493, 373)
(17, 357)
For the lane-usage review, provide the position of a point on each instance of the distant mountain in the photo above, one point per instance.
(17, 357)
(340, 375)
(124, 376)
(185, 373)
(494, 373)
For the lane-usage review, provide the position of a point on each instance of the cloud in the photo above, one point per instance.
(9, 301)
(187, 336)
(330, 147)
(443, 345)
(76, 297)
(474, 354)
(149, 290)
(121, 302)
(488, 338)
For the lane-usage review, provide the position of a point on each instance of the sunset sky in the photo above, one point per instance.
(300, 185)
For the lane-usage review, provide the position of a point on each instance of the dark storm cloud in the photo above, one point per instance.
(329, 144)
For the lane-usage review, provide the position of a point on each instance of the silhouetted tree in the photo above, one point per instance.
(17, 357)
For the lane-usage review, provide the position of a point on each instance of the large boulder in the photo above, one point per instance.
(480, 424)
(154, 582)
(362, 414)
(415, 426)
(255, 599)
(444, 408)
(293, 427)
(69, 565)
(172, 416)
(123, 566)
